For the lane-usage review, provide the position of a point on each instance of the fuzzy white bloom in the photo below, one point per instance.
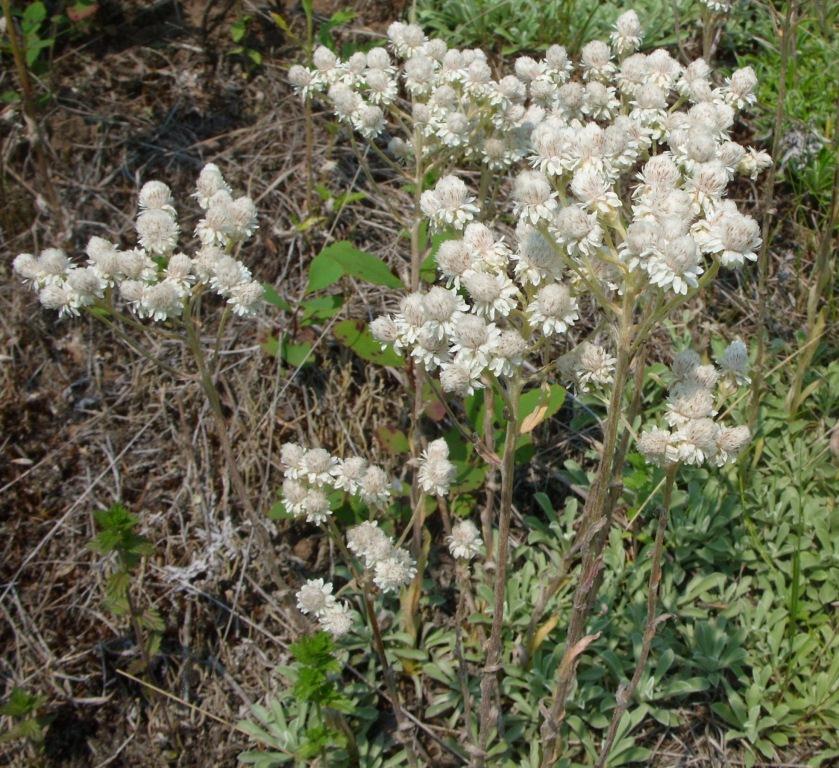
(108, 262)
(294, 495)
(508, 354)
(436, 472)
(453, 260)
(473, 340)
(595, 58)
(449, 203)
(369, 542)
(315, 596)
(735, 237)
(492, 295)
(156, 195)
(687, 402)
(348, 474)
(461, 376)
(441, 308)
(336, 618)
(316, 466)
(534, 201)
(162, 301)
(676, 265)
(553, 310)
(594, 191)
(157, 231)
(395, 571)
(464, 541)
(374, 486)
(536, 258)
(577, 230)
(210, 181)
(59, 296)
(734, 362)
(739, 89)
(627, 35)
(730, 442)
(385, 330)
(85, 285)
(595, 366)
(316, 507)
(657, 447)
(291, 459)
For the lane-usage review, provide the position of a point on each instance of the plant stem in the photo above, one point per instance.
(625, 693)
(209, 387)
(134, 615)
(768, 205)
(594, 514)
(492, 667)
(403, 724)
(30, 111)
(462, 576)
(580, 541)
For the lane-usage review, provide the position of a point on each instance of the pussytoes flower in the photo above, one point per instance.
(464, 541)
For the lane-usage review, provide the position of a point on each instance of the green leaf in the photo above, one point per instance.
(360, 264)
(323, 272)
(355, 335)
(239, 28)
(320, 308)
(394, 441)
(538, 405)
(272, 297)
(32, 17)
(315, 651)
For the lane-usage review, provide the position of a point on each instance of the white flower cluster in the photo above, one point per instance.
(391, 567)
(153, 279)
(436, 472)
(627, 158)
(588, 364)
(316, 597)
(464, 541)
(693, 436)
(310, 475)
(465, 115)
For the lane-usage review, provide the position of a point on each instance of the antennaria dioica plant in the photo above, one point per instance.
(573, 209)
(156, 282)
(615, 217)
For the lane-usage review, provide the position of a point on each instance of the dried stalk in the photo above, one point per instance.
(594, 514)
(209, 387)
(489, 677)
(768, 206)
(30, 111)
(625, 692)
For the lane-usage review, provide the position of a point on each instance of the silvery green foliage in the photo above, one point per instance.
(154, 279)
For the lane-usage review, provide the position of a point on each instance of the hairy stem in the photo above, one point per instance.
(492, 667)
(625, 693)
(595, 516)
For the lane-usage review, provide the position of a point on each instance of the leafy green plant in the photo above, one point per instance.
(335, 263)
(22, 708)
(239, 35)
(313, 719)
(118, 537)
